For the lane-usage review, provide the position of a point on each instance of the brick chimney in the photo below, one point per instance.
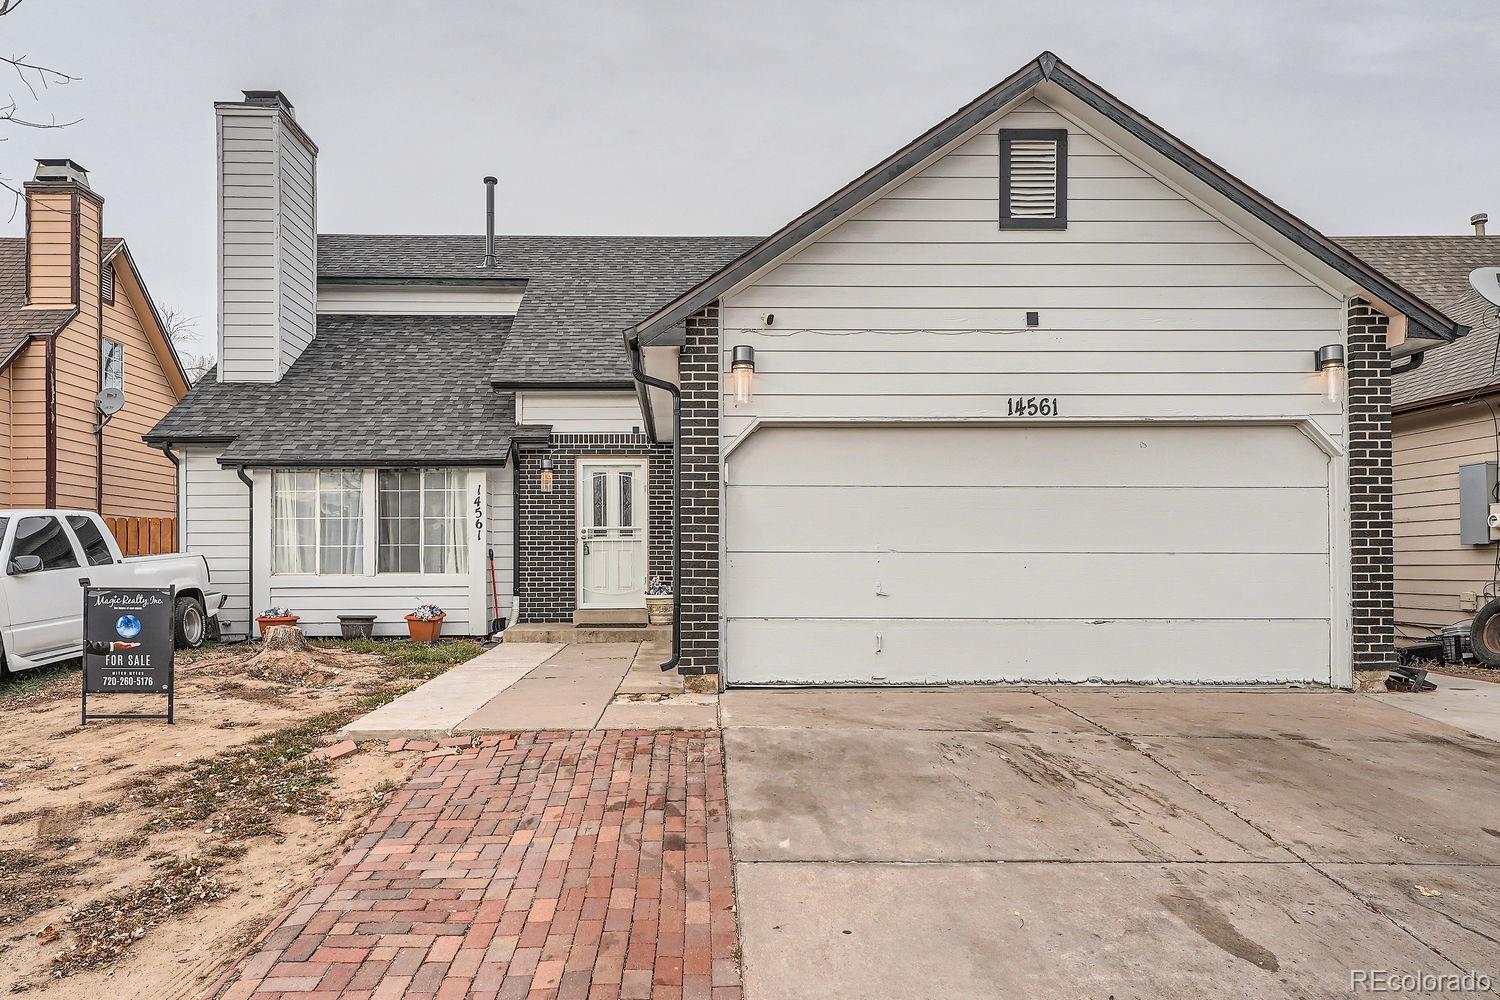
(64, 231)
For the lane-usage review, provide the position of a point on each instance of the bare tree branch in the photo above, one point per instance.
(34, 76)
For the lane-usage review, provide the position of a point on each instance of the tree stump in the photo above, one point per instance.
(287, 638)
(287, 656)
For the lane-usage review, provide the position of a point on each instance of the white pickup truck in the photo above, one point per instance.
(45, 553)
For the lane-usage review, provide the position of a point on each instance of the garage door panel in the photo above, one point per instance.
(1024, 585)
(1110, 456)
(930, 652)
(1007, 519)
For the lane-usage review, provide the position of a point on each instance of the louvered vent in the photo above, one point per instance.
(1033, 183)
(107, 282)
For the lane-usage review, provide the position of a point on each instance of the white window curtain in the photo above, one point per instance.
(317, 522)
(422, 526)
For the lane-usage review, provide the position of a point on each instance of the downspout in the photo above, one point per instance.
(638, 369)
(249, 553)
(166, 449)
(1412, 364)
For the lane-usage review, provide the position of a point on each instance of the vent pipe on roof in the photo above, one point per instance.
(489, 221)
(1478, 221)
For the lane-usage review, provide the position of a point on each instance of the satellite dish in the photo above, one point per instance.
(109, 401)
(1486, 281)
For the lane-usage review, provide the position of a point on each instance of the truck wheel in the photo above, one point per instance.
(189, 623)
(1484, 634)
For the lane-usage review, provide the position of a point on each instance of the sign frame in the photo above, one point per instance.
(169, 594)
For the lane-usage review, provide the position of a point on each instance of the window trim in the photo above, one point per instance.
(1059, 136)
(104, 343)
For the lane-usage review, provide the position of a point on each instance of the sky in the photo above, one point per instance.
(710, 117)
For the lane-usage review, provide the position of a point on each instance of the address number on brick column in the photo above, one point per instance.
(1032, 406)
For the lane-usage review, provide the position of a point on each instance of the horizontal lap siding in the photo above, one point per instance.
(78, 374)
(249, 247)
(139, 481)
(216, 525)
(1433, 567)
(500, 519)
(298, 248)
(320, 604)
(581, 412)
(1149, 306)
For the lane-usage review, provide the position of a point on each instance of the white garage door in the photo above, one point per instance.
(931, 554)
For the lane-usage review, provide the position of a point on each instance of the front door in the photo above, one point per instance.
(611, 533)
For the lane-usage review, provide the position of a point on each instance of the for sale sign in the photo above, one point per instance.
(127, 646)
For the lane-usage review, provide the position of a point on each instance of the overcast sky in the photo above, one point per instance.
(649, 116)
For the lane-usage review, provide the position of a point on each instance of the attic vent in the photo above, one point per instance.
(107, 283)
(1033, 179)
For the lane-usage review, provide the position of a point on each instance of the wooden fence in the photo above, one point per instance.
(144, 536)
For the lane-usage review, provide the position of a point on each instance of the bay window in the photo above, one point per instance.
(318, 522)
(422, 523)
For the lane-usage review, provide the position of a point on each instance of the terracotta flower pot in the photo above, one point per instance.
(424, 631)
(266, 624)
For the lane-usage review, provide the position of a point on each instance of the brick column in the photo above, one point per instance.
(701, 367)
(1371, 546)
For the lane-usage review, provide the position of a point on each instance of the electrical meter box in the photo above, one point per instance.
(1476, 496)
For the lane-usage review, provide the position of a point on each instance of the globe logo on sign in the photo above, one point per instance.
(128, 627)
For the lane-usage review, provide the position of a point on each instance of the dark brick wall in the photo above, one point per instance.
(547, 533)
(701, 369)
(1371, 548)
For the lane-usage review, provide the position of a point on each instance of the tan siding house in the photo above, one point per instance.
(70, 298)
(1446, 414)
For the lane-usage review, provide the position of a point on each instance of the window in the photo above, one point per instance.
(1033, 178)
(107, 283)
(422, 521)
(44, 537)
(111, 365)
(95, 548)
(318, 522)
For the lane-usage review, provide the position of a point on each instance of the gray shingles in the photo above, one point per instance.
(18, 324)
(369, 391)
(581, 291)
(1437, 268)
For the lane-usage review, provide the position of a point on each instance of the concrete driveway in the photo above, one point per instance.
(970, 843)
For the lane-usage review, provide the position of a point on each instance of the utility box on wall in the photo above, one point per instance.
(1476, 492)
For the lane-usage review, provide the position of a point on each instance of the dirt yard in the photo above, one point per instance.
(137, 858)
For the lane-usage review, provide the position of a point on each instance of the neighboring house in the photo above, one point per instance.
(75, 318)
(1446, 415)
(1036, 398)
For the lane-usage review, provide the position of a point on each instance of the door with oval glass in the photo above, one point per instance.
(611, 533)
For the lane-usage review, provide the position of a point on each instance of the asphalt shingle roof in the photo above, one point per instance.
(1437, 268)
(18, 324)
(581, 291)
(369, 391)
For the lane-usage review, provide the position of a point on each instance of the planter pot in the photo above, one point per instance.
(357, 626)
(424, 631)
(266, 624)
(659, 609)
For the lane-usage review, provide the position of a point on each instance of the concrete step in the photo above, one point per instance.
(567, 632)
(610, 616)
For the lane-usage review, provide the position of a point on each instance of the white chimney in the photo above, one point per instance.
(268, 237)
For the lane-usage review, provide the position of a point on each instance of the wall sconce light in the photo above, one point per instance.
(742, 373)
(1330, 361)
(546, 478)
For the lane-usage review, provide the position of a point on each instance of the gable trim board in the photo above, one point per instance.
(1046, 68)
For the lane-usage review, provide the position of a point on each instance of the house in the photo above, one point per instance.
(1444, 418)
(76, 319)
(1044, 395)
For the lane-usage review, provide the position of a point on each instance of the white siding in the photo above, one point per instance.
(298, 246)
(267, 244)
(410, 300)
(501, 519)
(216, 525)
(916, 305)
(581, 412)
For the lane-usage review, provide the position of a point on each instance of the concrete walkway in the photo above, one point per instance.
(544, 686)
(1461, 702)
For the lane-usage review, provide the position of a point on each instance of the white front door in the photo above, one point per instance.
(611, 533)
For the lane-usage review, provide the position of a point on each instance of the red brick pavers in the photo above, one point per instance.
(565, 866)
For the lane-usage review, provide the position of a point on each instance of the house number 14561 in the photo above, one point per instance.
(1031, 406)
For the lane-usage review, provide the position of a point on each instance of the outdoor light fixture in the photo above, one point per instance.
(546, 481)
(1330, 361)
(742, 373)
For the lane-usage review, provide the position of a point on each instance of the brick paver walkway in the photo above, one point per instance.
(566, 866)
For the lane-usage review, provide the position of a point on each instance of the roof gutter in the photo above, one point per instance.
(638, 368)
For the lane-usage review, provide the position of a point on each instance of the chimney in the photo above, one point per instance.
(267, 237)
(1478, 221)
(489, 221)
(64, 227)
